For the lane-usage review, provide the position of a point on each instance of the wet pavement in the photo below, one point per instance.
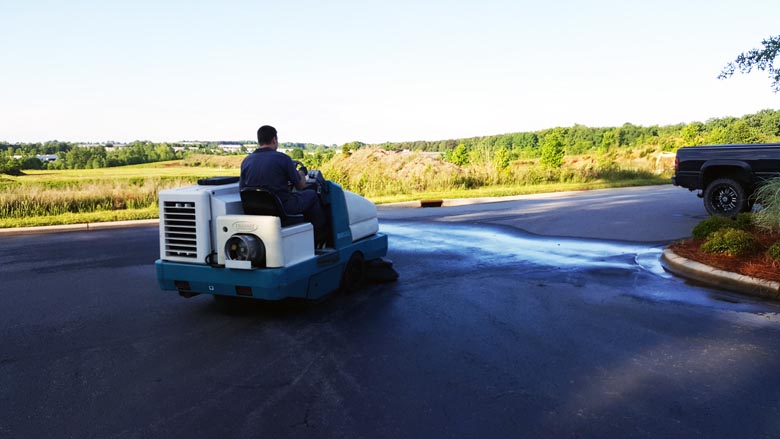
(577, 260)
(492, 330)
(658, 214)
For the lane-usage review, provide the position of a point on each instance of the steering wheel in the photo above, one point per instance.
(299, 166)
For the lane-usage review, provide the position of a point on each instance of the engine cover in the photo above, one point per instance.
(283, 246)
(362, 216)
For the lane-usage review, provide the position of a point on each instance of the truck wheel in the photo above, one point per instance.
(725, 197)
(353, 273)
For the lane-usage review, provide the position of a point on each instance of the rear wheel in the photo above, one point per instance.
(725, 197)
(354, 273)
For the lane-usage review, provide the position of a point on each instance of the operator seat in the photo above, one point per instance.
(258, 201)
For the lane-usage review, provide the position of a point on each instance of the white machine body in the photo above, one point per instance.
(362, 216)
(196, 221)
(283, 246)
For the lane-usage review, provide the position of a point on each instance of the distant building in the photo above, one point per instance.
(227, 147)
(110, 146)
(46, 158)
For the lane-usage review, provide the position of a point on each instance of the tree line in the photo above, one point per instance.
(16, 157)
(549, 145)
(761, 127)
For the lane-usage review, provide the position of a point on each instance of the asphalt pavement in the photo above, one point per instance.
(659, 214)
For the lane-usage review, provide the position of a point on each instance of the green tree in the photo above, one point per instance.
(579, 139)
(347, 148)
(296, 154)
(610, 138)
(10, 166)
(77, 158)
(761, 59)
(502, 158)
(525, 144)
(628, 134)
(716, 136)
(459, 156)
(740, 132)
(552, 149)
(164, 152)
(320, 157)
(31, 163)
(691, 133)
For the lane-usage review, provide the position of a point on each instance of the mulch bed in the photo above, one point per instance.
(754, 265)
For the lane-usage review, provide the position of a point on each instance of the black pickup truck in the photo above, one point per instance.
(727, 175)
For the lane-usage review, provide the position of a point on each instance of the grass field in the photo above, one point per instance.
(95, 195)
(111, 194)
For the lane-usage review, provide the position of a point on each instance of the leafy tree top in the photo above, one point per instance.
(762, 59)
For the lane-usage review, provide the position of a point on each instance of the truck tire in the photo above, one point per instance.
(354, 273)
(725, 197)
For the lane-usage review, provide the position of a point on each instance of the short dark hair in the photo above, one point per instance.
(265, 134)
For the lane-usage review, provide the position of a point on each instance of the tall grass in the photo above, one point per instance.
(377, 173)
(768, 196)
(49, 198)
(106, 194)
(213, 161)
(115, 193)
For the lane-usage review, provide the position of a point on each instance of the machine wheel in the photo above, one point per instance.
(354, 273)
(725, 197)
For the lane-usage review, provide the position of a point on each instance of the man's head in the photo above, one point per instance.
(266, 136)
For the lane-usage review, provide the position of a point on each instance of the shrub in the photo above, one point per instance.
(707, 227)
(553, 149)
(10, 167)
(732, 242)
(744, 221)
(768, 196)
(773, 252)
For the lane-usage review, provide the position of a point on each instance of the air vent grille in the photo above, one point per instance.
(181, 237)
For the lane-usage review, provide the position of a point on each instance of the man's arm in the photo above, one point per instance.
(297, 177)
(301, 184)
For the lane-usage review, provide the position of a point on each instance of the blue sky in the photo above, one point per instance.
(334, 72)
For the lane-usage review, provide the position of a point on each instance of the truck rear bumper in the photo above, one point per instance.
(688, 180)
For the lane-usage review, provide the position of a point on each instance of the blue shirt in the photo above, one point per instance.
(271, 170)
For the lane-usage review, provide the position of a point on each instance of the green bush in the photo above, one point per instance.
(707, 227)
(773, 252)
(744, 221)
(732, 242)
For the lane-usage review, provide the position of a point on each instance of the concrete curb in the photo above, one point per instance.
(714, 277)
(78, 227)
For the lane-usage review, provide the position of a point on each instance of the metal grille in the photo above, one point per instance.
(181, 238)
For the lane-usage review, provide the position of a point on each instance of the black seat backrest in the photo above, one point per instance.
(258, 201)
